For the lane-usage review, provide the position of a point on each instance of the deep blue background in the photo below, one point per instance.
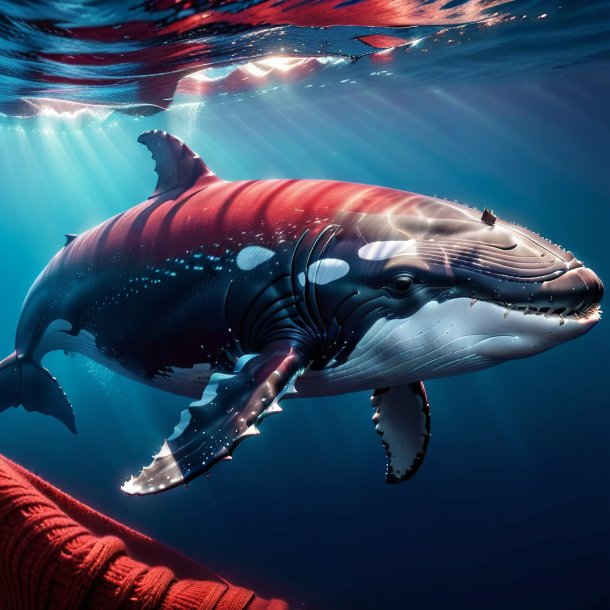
(512, 506)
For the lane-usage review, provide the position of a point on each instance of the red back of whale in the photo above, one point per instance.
(213, 211)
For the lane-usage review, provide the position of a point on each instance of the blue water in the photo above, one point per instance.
(511, 508)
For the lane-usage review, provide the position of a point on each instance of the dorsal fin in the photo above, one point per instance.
(70, 237)
(176, 164)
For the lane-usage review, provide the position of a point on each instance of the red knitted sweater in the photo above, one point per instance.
(59, 554)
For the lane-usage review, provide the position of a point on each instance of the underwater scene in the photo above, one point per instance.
(337, 268)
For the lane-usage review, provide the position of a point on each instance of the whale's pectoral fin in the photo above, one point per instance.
(402, 418)
(229, 411)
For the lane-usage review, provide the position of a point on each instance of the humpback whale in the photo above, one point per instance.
(239, 294)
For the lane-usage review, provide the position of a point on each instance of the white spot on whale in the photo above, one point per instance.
(252, 256)
(382, 250)
(327, 270)
(301, 278)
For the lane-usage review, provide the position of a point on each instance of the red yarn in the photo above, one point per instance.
(59, 554)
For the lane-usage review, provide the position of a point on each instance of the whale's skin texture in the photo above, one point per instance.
(159, 287)
(240, 293)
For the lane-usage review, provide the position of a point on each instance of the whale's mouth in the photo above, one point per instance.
(590, 313)
(573, 296)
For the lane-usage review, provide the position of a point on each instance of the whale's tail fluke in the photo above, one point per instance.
(23, 382)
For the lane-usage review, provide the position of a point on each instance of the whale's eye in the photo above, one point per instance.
(401, 283)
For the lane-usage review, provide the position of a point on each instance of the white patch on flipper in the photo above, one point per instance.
(164, 451)
(252, 256)
(209, 393)
(242, 361)
(163, 472)
(402, 420)
(272, 409)
(180, 427)
(382, 250)
(301, 278)
(249, 431)
(327, 270)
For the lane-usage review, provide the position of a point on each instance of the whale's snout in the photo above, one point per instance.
(576, 292)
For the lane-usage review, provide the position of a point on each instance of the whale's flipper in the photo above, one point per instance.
(23, 382)
(402, 418)
(177, 166)
(229, 411)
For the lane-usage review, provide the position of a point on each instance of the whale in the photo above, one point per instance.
(239, 294)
